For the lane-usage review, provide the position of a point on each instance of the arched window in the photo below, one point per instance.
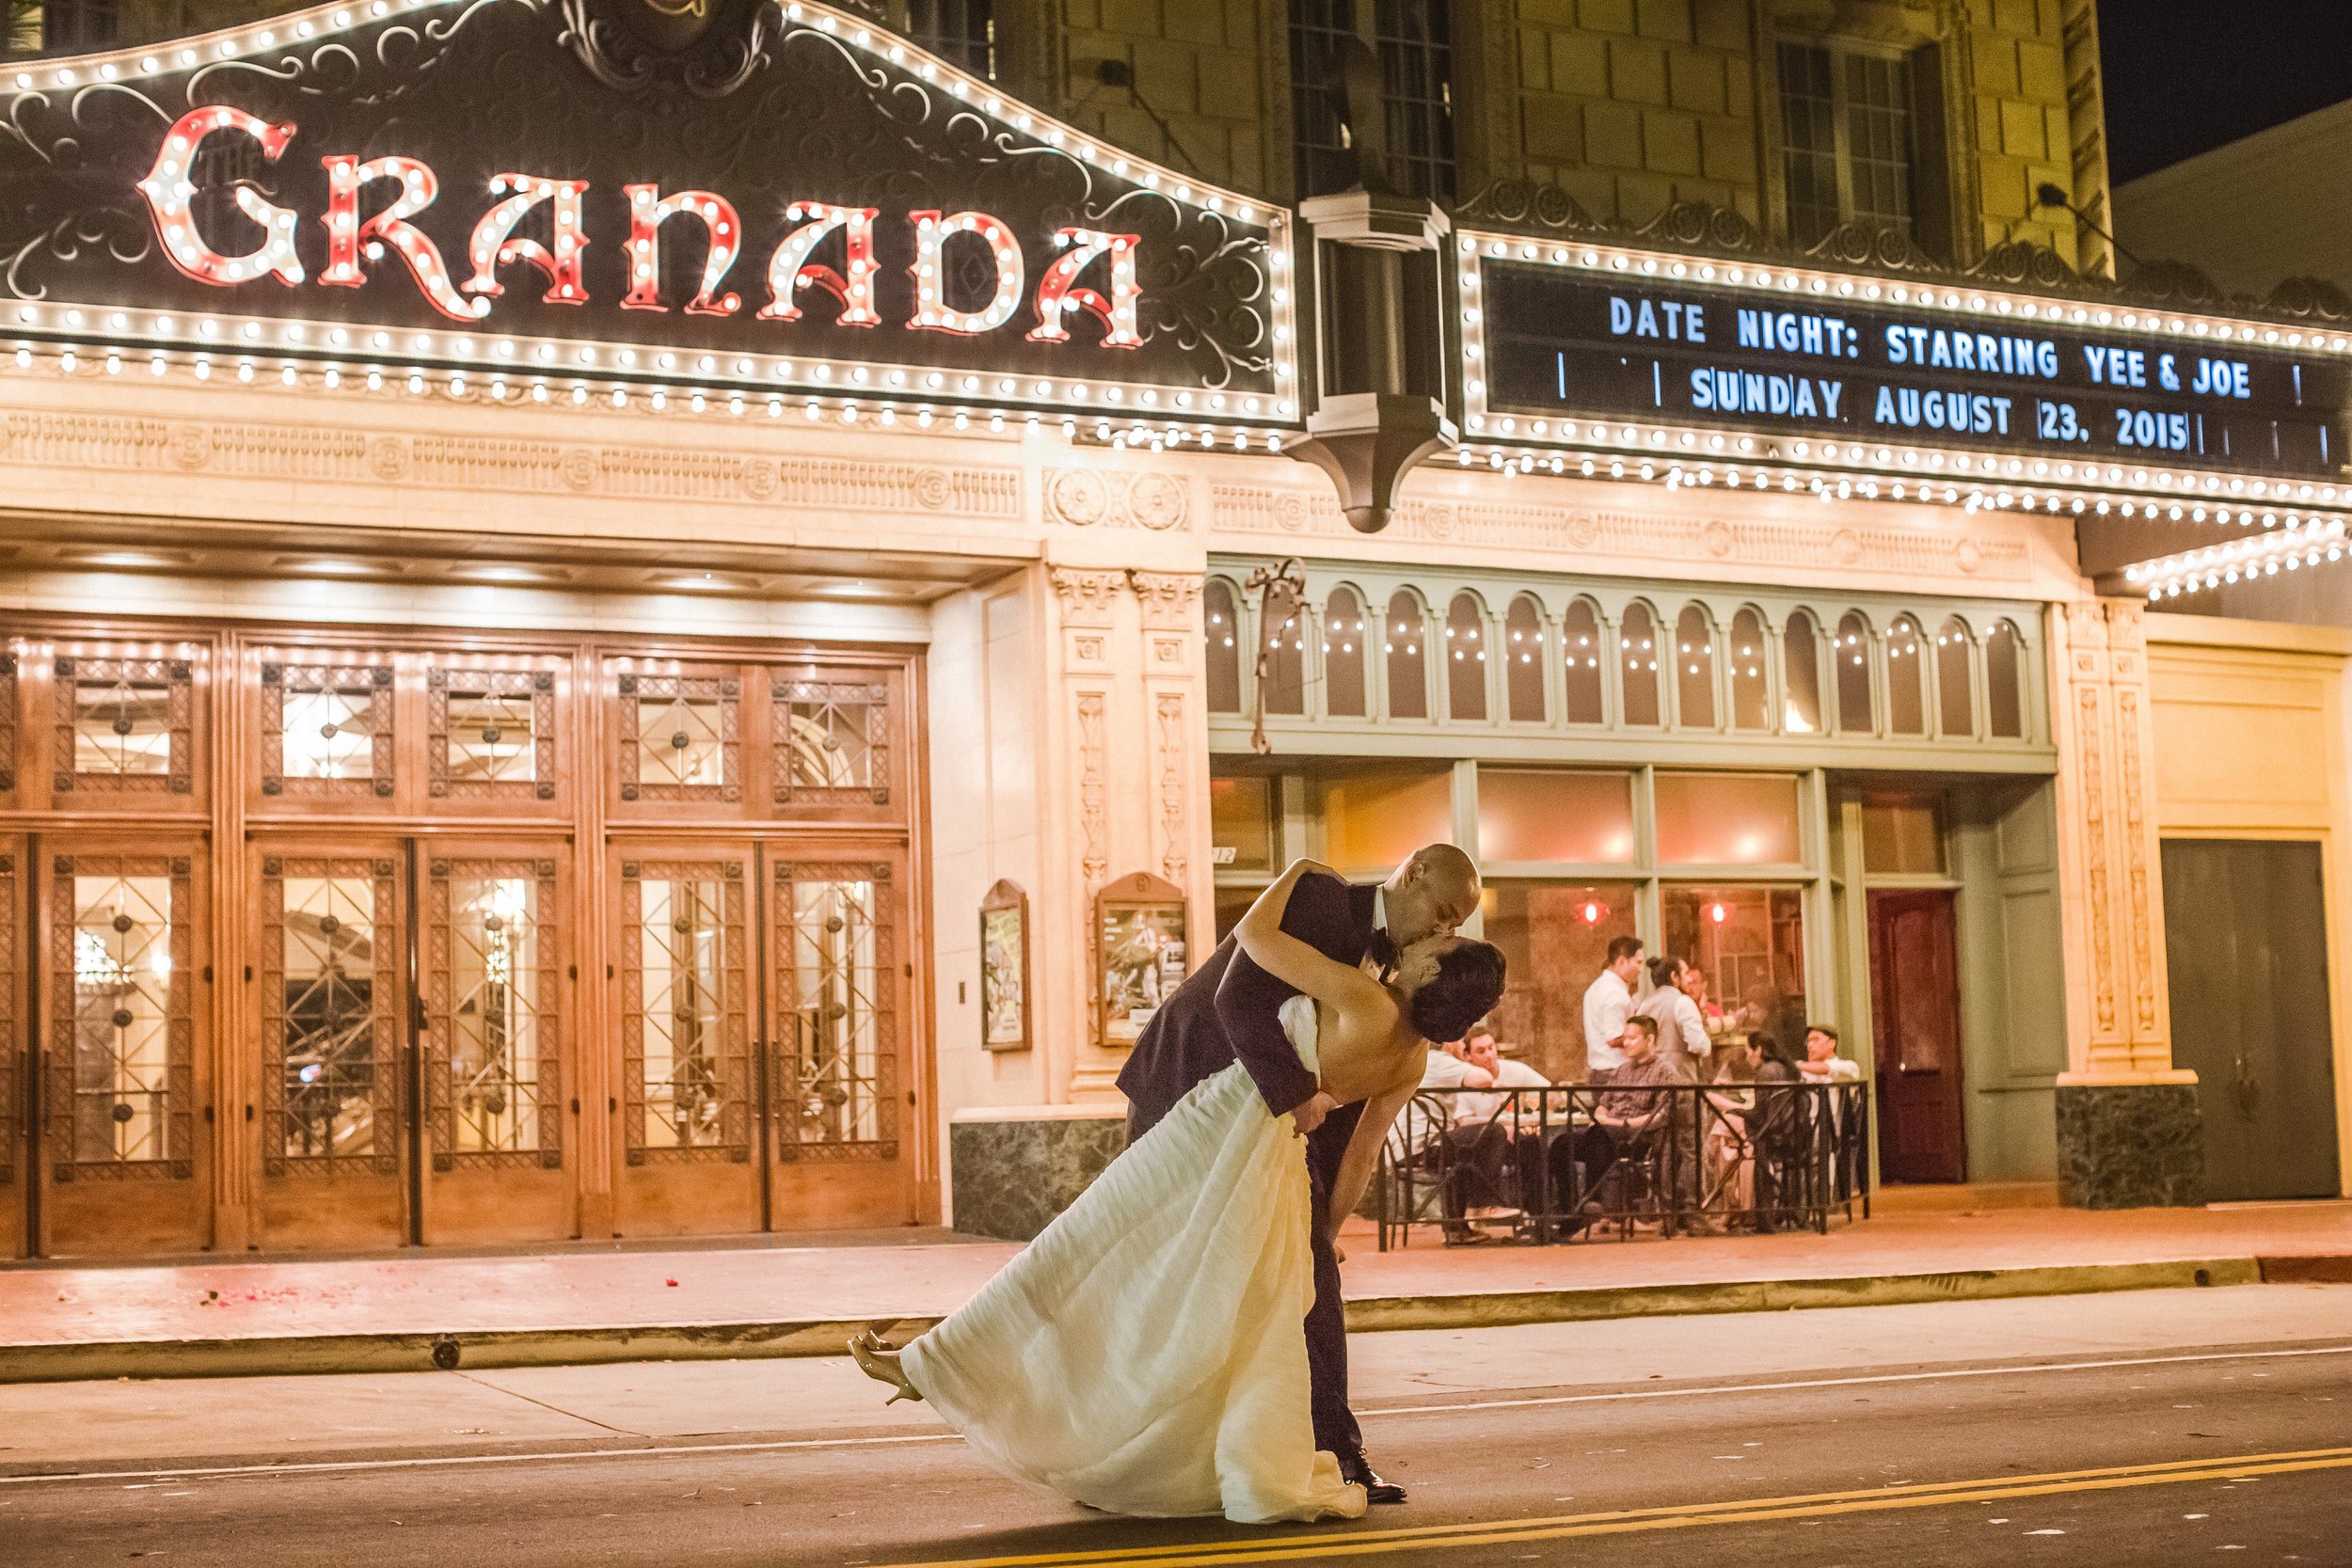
(1751, 691)
(1906, 678)
(1523, 660)
(1224, 648)
(1465, 659)
(2004, 695)
(1852, 653)
(1580, 657)
(1955, 694)
(1283, 674)
(1343, 655)
(1801, 667)
(1695, 669)
(1637, 644)
(1407, 670)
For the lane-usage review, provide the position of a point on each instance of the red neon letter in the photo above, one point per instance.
(1058, 293)
(932, 235)
(170, 194)
(346, 232)
(790, 270)
(493, 247)
(647, 212)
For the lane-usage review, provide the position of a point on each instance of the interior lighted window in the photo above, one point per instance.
(2005, 698)
(1554, 938)
(1344, 636)
(121, 719)
(1851, 650)
(1224, 652)
(1408, 668)
(1903, 836)
(1241, 821)
(1466, 659)
(1906, 678)
(1580, 659)
(1748, 942)
(1695, 669)
(1638, 650)
(1801, 669)
(1529, 813)
(1955, 692)
(1727, 819)
(1373, 820)
(489, 739)
(1523, 660)
(1746, 652)
(1846, 139)
(329, 723)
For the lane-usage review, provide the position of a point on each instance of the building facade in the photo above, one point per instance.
(693, 650)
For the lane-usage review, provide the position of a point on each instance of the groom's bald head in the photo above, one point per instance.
(1433, 893)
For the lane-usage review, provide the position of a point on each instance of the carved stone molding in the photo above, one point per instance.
(1088, 598)
(669, 473)
(1167, 598)
(1578, 534)
(1168, 710)
(1093, 804)
(1094, 498)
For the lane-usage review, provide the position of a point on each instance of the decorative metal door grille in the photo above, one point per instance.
(327, 730)
(836, 1035)
(494, 1075)
(123, 725)
(122, 1030)
(681, 738)
(832, 742)
(8, 723)
(11, 1102)
(330, 1083)
(490, 734)
(685, 1027)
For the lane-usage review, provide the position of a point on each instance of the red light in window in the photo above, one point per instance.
(1592, 911)
(1718, 911)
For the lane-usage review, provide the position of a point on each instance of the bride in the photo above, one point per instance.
(1146, 1353)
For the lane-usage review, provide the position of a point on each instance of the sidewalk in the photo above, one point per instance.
(579, 1305)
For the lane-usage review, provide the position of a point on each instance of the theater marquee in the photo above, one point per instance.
(756, 202)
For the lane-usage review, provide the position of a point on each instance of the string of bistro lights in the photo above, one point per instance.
(72, 338)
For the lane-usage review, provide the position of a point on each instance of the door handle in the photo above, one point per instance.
(1907, 1071)
(2248, 1087)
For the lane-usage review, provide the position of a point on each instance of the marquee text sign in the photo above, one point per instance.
(771, 192)
(1746, 359)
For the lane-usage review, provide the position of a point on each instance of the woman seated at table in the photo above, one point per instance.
(1748, 1117)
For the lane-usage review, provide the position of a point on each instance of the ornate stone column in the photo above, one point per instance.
(2129, 1133)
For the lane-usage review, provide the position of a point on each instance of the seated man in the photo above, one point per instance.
(1417, 1133)
(1628, 1115)
(1486, 1127)
(1823, 1064)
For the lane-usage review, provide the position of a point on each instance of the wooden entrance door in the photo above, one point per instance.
(409, 1019)
(104, 933)
(2246, 941)
(1915, 1008)
(762, 1000)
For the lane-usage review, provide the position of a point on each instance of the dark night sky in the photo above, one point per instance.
(2185, 75)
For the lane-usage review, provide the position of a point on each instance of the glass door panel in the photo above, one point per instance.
(331, 984)
(840, 1062)
(120, 1164)
(688, 1100)
(495, 1045)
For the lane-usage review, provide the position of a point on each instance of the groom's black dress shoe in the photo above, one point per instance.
(1355, 1468)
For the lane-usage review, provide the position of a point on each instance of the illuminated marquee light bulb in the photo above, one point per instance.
(932, 310)
(494, 246)
(647, 212)
(1057, 292)
(790, 270)
(170, 197)
(347, 232)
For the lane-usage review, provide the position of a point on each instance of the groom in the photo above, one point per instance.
(1229, 1009)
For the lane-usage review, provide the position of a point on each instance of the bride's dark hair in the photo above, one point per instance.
(1468, 984)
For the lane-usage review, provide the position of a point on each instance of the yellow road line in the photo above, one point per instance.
(1216, 1554)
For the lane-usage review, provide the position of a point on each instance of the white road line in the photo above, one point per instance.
(782, 1446)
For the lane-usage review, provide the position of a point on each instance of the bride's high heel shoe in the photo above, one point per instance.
(877, 1361)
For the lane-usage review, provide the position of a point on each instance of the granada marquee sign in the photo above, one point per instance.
(718, 198)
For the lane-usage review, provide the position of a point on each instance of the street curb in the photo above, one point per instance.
(284, 1354)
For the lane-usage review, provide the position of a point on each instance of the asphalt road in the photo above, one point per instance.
(2207, 1449)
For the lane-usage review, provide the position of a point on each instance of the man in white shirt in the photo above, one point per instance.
(1487, 1126)
(1823, 1064)
(1607, 1002)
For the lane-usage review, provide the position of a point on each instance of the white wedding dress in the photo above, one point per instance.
(1146, 1354)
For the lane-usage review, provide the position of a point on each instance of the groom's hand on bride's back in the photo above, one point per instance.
(1308, 1113)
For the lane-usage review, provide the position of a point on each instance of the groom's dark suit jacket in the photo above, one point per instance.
(1229, 1011)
